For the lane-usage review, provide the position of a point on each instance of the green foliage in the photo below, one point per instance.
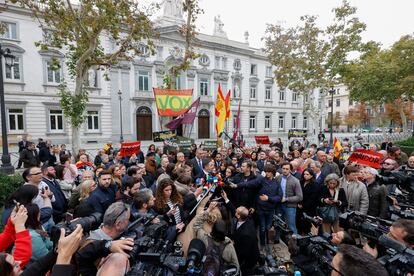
(408, 142)
(307, 57)
(9, 184)
(73, 105)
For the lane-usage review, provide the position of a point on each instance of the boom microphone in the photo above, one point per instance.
(195, 254)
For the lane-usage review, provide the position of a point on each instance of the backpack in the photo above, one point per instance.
(214, 260)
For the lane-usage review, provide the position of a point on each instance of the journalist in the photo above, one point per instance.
(101, 243)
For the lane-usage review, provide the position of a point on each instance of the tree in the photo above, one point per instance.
(357, 116)
(309, 58)
(78, 30)
(384, 76)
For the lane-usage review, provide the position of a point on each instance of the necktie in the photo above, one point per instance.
(199, 164)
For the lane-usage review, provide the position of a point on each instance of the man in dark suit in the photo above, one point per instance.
(22, 145)
(261, 162)
(197, 163)
(245, 241)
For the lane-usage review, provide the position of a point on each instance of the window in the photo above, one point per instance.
(143, 80)
(177, 84)
(338, 102)
(267, 122)
(281, 122)
(294, 121)
(217, 63)
(268, 93)
(143, 50)
(224, 63)
(282, 95)
(252, 122)
(16, 122)
(269, 71)
(306, 98)
(93, 120)
(204, 60)
(253, 92)
(54, 73)
(10, 31)
(55, 120)
(237, 64)
(47, 36)
(203, 88)
(294, 96)
(253, 69)
(305, 122)
(13, 72)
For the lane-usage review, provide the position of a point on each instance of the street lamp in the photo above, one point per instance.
(331, 92)
(6, 166)
(121, 138)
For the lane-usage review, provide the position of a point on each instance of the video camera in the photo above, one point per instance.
(369, 226)
(403, 178)
(269, 266)
(401, 213)
(279, 224)
(313, 254)
(399, 259)
(88, 223)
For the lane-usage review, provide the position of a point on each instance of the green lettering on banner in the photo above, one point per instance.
(163, 105)
(176, 99)
(187, 101)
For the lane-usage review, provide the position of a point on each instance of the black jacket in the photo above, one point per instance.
(310, 198)
(89, 254)
(29, 158)
(246, 245)
(245, 196)
(101, 198)
(378, 205)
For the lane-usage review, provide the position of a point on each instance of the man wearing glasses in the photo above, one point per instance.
(102, 253)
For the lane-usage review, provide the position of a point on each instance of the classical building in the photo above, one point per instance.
(31, 86)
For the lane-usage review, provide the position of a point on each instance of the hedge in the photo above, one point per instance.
(9, 184)
(408, 142)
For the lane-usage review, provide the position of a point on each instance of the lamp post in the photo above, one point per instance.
(331, 92)
(6, 166)
(121, 138)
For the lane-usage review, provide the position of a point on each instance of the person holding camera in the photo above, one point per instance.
(16, 232)
(96, 252)
(332, 201)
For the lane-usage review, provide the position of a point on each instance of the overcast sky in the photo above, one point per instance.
(387, 20)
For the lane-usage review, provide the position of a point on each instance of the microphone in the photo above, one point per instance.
(220, 134)
(196, 251)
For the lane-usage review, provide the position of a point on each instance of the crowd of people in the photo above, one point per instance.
(236, 224)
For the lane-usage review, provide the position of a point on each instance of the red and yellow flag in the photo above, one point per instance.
(337, 147)
(222, 110)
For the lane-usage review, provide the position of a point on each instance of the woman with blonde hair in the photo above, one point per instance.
(332, 201)
(87, 187)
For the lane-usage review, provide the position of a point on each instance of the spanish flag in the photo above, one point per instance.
(222, 110)
(337, 147)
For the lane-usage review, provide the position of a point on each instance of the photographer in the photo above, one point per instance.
(102, 243)
(352, 261)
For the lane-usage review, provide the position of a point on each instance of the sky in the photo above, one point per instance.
(387, 20)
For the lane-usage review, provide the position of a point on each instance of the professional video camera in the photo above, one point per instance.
(313, 254)
(269, 266)
(403, 178)
(279, 224)
(88, 223)
(316, 221)
(401, 213)
(369, 226)
(399, 259)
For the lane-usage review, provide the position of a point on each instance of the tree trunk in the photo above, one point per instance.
(403, 120)
(75, 141)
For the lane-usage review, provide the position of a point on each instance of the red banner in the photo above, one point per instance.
(172, 102)
(262, 140)
(366, 157)
(128, 149)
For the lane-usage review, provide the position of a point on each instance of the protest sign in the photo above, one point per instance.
(262, 140)
(128, 149)
(366, 157)
(160, 136)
